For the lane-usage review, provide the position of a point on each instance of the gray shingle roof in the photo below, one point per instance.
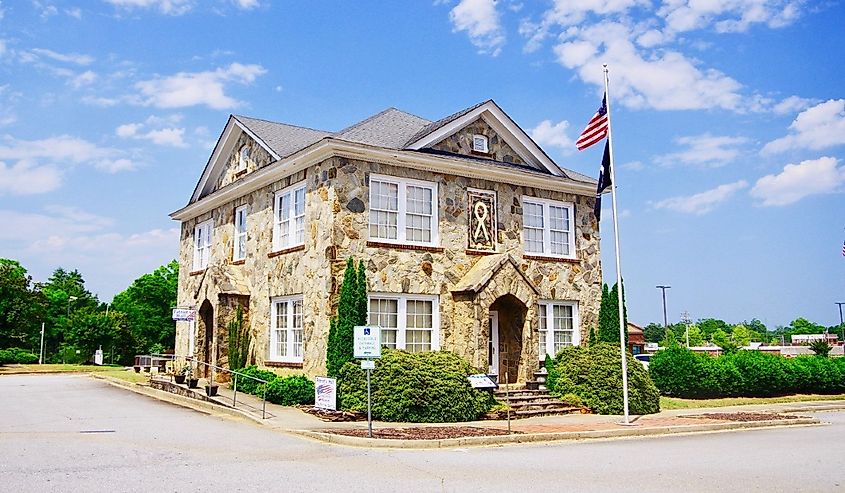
(283, 139)
(431, 127)
(391, 128)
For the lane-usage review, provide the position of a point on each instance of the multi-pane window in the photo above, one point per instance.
(289, 218)
(548, 227)
(239, 245)
(202, 244)
(479, 143)
(403, 211)
(558, 327)
(409, 322)
(286, 335)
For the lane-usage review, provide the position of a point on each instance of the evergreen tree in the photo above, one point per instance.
(592, 337)
(340, 344)
(361, 296)
(609, 315)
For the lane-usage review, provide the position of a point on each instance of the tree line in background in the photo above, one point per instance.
(77, 323)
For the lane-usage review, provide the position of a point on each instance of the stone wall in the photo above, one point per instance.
(461, 143)
(258, 158)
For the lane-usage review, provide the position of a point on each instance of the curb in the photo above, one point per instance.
(161, 395)
(551, 436)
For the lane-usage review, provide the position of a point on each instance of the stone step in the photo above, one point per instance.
(528, 413)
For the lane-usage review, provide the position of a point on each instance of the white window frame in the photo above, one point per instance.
(486, 146)
(290, 219)
(402, 210)
(402, 315)
(240, 235)
(547, 231)
(202, 244)
(289, 329)
(547, 307)
(243, 158)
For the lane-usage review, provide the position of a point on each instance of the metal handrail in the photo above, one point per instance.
(235, 383)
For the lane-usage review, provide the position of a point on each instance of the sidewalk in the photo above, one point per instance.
(536, 429)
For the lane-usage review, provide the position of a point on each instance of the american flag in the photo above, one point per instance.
(843, 248)
(596, 128)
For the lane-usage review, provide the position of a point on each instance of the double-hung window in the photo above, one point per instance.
(409, 322)
(548, 227)
(286, 337)
(202, 244)
(239, 245)
(558, 326)
(289, 217)
(403, 211)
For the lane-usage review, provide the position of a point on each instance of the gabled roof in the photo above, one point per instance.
(391, 128)
(282, 138)
(433, 126)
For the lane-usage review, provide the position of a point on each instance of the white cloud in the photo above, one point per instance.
(155, 130)
(816, 128)
(197, 88)
(704, 202)
(246, 4)
(480, 20)
(633, 166)
(796, 181)
(74, 12)
(727, 15)
(792, 104)
(84, 79)
(551, 134)
(704, 150)
(73, 58)
(168, 7)
(24, 178)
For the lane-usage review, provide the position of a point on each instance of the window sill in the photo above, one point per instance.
(480, 252)
(283, 364)
(543, 258)
(405, 246)
(297, 248)
(196, 272)
(238, 262)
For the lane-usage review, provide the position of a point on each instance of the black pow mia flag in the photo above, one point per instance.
(604, 180)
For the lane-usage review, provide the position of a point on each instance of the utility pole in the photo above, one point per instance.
(685, 318)
(665, 319)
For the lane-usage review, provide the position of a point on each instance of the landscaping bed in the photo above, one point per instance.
(744, 416)
(423, 432)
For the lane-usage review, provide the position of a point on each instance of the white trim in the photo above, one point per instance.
(291, 242)
(547, 249)
(484, 140)
(237, 234)
(493, 343)
(402, 209)
(547, 307)
(401, 314)
(288, 329)
(328, 147)
(202, 254)
(503, 125)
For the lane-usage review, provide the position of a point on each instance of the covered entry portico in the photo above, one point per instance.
(501, 302)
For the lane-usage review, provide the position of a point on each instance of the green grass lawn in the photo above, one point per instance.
(668, 403)
(58, 368)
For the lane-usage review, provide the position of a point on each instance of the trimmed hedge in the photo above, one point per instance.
(286, 391)
(16, 355)
(429, 387)
(680, 372)
(594, 374)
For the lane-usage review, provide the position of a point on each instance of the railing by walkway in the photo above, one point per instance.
(235, 376)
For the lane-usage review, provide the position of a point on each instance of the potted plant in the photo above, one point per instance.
(211, 389)
(189, 377)
(183, 373)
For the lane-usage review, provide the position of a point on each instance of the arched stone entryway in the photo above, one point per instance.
(205, 337)
(507, 323)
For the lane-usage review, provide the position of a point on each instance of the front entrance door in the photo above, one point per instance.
(493, 345)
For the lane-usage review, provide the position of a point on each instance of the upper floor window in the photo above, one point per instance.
(289, 217)
(286, 336)
(558, 326)
(202, 244)
(479, 143)
(239, 246)
(548, 227)
(409, 322)
(403, 211)
(243, 158)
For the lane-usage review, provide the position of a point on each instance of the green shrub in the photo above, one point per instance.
(429, 387)
(251, 386)
(680, 372)
(819, 375)
(291, 390)
(17, 356)
(572, 400)
(594, 374)
(762, 374)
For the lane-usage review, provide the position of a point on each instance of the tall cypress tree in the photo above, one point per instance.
(339, 349)
(361, 296)
(609, 315)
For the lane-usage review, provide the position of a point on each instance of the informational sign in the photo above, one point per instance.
(325, 393)
(98, 357)
(184, 314)
(481, 381)
(367, 341)
(368, 364)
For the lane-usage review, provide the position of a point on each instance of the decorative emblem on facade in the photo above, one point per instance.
(482, 220)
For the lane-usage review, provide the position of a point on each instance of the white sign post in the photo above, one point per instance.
(325, 393)
(367, 345)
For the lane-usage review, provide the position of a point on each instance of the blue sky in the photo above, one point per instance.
(728, 121)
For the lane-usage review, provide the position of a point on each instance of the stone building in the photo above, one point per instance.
(474, 240)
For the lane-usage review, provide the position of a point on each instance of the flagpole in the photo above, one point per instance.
(618, 261)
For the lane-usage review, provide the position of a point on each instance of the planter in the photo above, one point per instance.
(193, 383)
(211, 390)
(137, 369)
(180, 379)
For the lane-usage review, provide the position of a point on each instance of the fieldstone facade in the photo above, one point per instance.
(467, 283)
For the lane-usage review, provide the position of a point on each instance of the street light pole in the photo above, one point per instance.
(685, 318)
(665, 319)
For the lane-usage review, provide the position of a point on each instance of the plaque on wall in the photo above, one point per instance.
(482, 220)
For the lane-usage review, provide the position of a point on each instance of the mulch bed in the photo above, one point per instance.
(423, 432)
(333, 416)
(744, 416)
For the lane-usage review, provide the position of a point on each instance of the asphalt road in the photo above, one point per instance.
(73, 433)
